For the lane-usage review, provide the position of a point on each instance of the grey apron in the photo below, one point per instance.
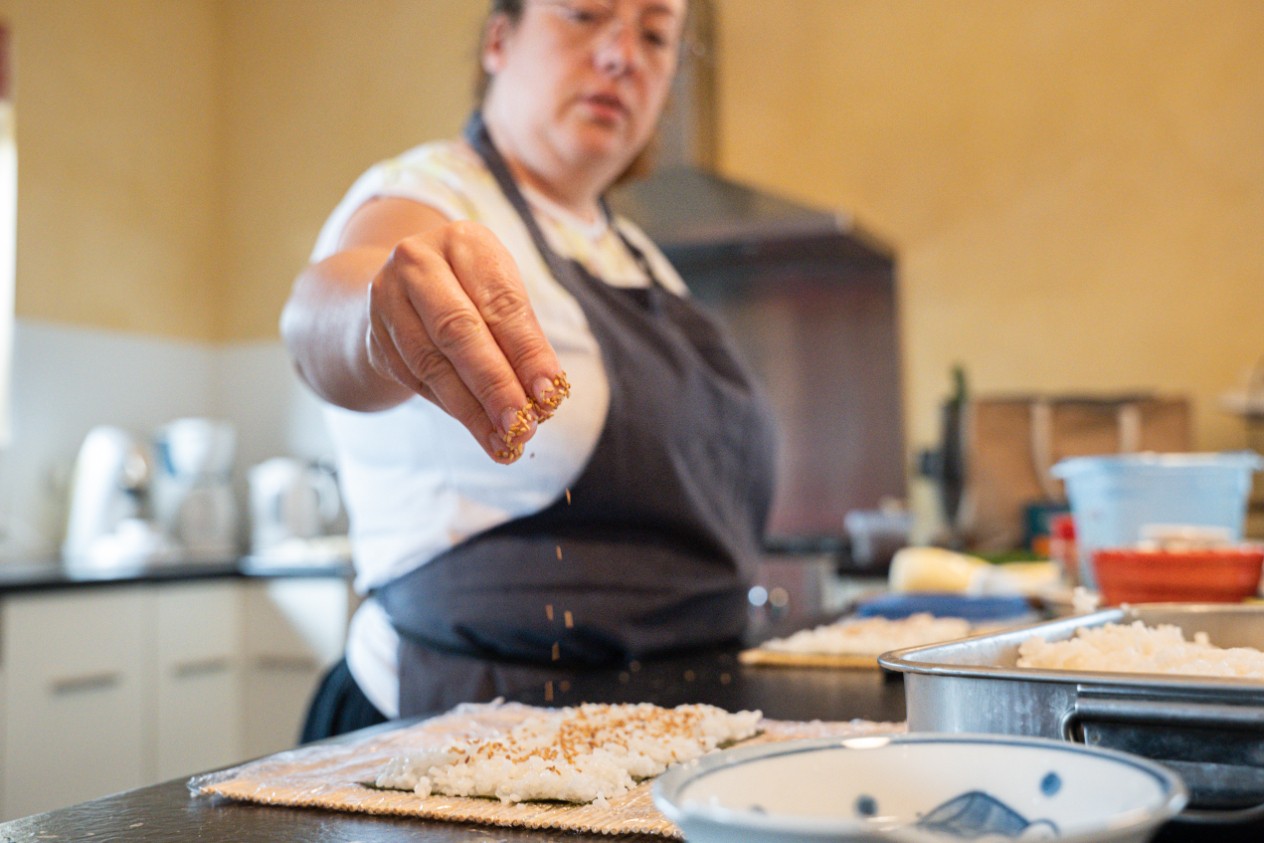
(654, 546)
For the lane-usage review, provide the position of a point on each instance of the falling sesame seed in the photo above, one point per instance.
(690, 675)
(548, 691)
(557, 651)
(548, 611)
(568, 619)
(559, 553)
(568, 497)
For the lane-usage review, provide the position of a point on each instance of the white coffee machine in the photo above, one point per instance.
(193, 498)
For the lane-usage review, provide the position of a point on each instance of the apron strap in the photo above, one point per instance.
(477, 136)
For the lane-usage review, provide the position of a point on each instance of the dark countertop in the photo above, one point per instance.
(168, 812)
(17, 578)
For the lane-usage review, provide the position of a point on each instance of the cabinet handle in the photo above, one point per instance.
(86, 683)
(200, 667)
(303, 664)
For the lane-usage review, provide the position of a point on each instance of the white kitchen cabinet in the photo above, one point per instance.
(295, 628)
(198, 677)
(107, 688)
(76, 707)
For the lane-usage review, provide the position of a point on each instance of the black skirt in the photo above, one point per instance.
(338, 706)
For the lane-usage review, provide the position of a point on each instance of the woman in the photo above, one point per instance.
(466, 293)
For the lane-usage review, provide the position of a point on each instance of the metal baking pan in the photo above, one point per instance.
(1211, 731)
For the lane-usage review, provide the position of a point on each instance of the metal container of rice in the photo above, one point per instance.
(1179, 683)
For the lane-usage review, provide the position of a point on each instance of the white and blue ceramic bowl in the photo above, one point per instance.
(919, 787)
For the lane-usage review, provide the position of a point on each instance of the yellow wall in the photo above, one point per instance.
(1075, 188)
(176, 158)
(119, 130)
(318, 90)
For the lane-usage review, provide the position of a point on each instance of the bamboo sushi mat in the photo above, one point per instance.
(338, 776)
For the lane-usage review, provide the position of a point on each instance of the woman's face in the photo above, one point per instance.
(580, 84)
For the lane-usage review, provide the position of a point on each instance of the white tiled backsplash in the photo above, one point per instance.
(68, 379)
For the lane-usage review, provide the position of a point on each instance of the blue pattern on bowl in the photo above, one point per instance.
(975, 813)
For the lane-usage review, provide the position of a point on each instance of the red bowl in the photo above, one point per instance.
(1212, 575)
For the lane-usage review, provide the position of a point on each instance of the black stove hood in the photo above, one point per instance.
(698, 217)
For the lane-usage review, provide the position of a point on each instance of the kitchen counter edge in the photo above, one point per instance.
(21, 578)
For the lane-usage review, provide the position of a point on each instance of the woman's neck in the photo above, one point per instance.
(579, 192)
(583, 203)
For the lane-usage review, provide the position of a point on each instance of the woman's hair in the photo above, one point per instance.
(640, 166)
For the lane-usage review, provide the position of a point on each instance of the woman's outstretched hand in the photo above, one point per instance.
(446, 317)
(449, 319)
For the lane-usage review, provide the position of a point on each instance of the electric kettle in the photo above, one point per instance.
(290, 499)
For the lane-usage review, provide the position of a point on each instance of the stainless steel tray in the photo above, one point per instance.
(1211, 731)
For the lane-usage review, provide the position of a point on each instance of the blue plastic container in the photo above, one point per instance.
(1113, 498)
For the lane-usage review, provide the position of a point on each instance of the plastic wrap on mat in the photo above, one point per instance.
(340, 775)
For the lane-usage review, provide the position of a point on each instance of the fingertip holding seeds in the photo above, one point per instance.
(502, 452)
(549, 394)
(520, 423)
(509, 454)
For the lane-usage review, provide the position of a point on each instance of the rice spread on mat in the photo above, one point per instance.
(585, 753)
(1137, 648)
(871, 636)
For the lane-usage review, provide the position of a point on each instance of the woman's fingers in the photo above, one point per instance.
(450, 319)
(487, 272)
(400, 347)
(385, 359)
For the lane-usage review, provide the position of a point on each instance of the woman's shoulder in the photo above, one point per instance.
(448, 160)
(444, 174)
